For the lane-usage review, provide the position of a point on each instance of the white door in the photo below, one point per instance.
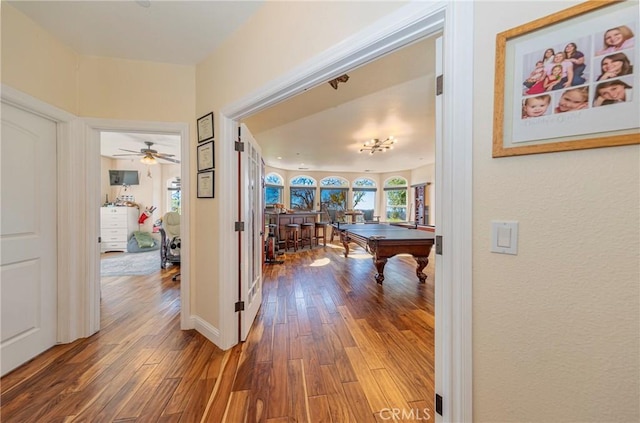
(252, 215)
(28, 271)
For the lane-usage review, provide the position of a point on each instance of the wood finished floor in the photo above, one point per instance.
(328, 345)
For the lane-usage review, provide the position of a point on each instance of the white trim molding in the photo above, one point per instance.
(208, 331)
(453, 300)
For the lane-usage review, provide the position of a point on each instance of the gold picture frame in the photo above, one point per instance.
(532, 119)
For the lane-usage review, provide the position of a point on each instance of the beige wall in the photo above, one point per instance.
(279, 37)
(555, 328)
(37, 64)
(135, 90)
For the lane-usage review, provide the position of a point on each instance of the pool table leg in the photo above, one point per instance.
(422, 263)
(379, 263)
(345, 243)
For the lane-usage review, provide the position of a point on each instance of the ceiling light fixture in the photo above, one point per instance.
(377, 145)
(334, 82)
(148, 159)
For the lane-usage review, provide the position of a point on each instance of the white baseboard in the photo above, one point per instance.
(210, 332)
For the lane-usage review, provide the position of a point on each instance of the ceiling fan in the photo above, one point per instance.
(149, 155)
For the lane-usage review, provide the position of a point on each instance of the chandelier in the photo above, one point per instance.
(378, 145)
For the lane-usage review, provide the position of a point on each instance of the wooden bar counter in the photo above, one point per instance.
(283, 219)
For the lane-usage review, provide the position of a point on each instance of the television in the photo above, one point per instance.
(123, 177)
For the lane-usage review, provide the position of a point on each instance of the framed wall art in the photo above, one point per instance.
(206, 184)
(569, 81)
(206, 156)
(205, 127)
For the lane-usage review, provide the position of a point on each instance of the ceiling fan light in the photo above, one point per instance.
(148, 160)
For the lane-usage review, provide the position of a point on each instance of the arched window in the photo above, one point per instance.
(273, 188)
(333, 193)
(303, 192)
(395, 190)
(364, 197)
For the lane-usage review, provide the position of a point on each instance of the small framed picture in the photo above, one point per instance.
(206, 156)
(205, 184)
(205, 127)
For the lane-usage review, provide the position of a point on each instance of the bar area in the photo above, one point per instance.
(293, 230)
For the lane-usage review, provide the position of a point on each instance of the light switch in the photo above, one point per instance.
(504, 237)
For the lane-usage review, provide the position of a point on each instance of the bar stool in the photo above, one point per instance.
(323, 226)
(306, 234)
(292, 233)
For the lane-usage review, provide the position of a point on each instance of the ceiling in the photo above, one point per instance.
(321, 129)
(324, 128)
(112, 143)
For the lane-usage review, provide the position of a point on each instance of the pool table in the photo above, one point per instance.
(385, 241)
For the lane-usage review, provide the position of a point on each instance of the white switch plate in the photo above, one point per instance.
(504, 237)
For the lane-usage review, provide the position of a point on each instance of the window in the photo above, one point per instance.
(333, 193)
(364, 197)
(273, 188)
(303, 193)
(395, 190)
(174, 195)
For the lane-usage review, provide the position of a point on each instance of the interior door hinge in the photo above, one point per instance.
(239, 146)
(99, 239)
(438, 404)
(439, 244)
(239, 306)
(239, 226)
(439, 83)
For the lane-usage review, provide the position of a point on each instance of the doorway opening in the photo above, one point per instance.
(140, 182)
(145, 204)
(453, 195)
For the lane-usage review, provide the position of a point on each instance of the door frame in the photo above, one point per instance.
(453, 345)
(93, 128)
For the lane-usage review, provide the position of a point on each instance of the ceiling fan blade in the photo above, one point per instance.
(163, 155)
(130, 151)
(169, 159)
(137, 154)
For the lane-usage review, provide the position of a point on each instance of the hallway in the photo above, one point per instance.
(329, 344)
